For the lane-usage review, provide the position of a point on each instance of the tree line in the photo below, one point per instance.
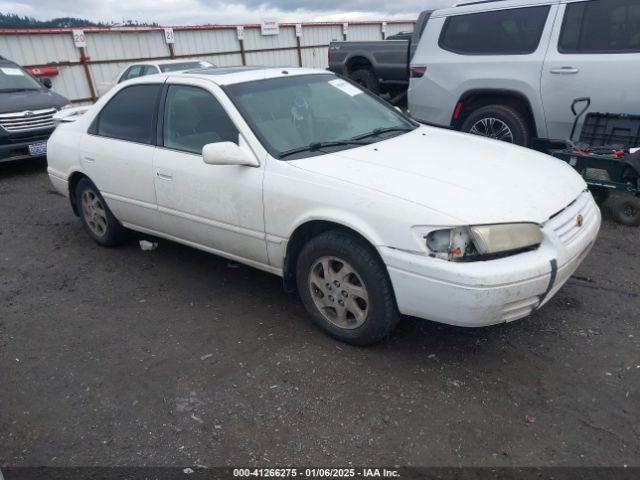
(12, 20)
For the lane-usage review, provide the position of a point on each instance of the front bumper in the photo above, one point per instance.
(17, 148)
(477, 294)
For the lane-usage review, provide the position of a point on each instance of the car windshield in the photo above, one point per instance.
(13, 78)
(175, 67)
(306, 115)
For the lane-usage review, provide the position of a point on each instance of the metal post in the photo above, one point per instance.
(172, 52)
(244, 60)
(85, 63)
(299, 51)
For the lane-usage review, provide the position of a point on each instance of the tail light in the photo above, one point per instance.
(456, 112)
(417, 72)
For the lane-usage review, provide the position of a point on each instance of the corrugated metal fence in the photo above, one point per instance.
(109, 50)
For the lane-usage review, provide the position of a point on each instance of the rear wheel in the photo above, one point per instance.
(96, 217)
(367, 79)
(499, 122)
(345, 288)
(627, 210)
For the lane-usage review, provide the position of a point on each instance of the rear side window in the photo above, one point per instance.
(515, 31)
(150, 70)
(130, 115)
(601, 26)
(132, 72)
(192, 118)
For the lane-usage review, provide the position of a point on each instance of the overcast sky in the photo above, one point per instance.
(188, 12)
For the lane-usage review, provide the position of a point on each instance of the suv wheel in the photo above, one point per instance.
(345, 288)
(96, 217)
(499, 122)
(367, 79)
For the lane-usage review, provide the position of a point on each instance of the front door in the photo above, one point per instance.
(215, 206)
(595, 53)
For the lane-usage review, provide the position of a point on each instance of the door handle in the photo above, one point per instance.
(89, 159)
(164, 175)
(565, 71)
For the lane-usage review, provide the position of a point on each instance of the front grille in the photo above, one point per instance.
(565, 224)
(27, 121)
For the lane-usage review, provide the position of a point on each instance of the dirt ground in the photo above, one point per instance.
(176, 357)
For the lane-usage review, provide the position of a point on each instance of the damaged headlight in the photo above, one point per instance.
(483, 242)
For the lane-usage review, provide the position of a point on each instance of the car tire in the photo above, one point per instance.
(96, 217)
(367, 79)
(346, 289)
(489, 122)
(626, 210)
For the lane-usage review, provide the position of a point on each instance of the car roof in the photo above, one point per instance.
(471, 6)
(168, 62)
(231, 75)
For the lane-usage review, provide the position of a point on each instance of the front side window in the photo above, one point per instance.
(192, 118)
(130, 115)
(515, 31)
(296, 112)
(601, 26)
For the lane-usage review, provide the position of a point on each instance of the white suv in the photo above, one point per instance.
(510, 69)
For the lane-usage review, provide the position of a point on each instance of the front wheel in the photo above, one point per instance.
(345, 288)
(499, 122)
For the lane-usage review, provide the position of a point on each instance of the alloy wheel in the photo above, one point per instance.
(94, 213)
(493, 128)
(338, 292)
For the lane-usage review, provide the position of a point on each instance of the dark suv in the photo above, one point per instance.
(27, 107)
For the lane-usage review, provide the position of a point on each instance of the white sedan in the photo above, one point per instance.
(151, 67)
(367, 214)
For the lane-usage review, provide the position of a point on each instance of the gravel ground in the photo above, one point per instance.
(176, 357)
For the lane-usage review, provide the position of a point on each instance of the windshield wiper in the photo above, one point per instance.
(377, 131)
(312, 147)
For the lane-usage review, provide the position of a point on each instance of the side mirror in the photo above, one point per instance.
(47, 82)
(227, 153)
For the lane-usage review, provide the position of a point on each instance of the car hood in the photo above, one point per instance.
(472, 180)
(30, 100)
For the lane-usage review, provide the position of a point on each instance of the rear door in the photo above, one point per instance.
(117, 153)
(594, 52)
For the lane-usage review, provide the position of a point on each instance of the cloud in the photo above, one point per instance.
(184, 12)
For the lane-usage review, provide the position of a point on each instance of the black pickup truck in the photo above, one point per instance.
(381, 66)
